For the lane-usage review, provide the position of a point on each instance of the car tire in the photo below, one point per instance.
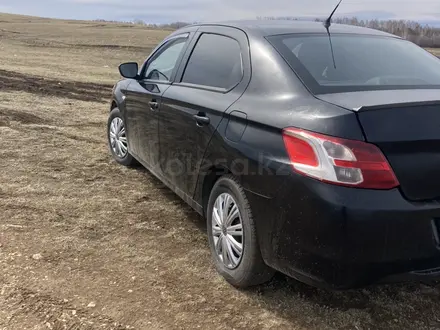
(123, 158)
(251, 269)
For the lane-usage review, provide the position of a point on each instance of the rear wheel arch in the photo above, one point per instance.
(213, 174)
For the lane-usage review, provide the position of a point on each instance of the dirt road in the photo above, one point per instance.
(88, 244)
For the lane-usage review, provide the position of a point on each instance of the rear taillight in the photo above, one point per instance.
(338, 161)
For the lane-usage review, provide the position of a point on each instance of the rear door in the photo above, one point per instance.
(143, 99)
(214, 74)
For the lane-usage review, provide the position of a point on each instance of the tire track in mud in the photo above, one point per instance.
(15, 81)
(8, 115)
(25, 121)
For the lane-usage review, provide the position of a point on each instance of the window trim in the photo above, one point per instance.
(203, 87)
(207, 87)
(158, 51)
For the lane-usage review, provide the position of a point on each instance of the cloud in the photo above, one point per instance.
(203, 10)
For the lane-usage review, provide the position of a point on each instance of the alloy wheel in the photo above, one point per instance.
(227, 231)
(118, 139)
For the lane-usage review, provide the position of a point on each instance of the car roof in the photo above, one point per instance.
(264, 28)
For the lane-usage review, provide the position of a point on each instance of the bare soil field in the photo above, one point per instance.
(88, 244)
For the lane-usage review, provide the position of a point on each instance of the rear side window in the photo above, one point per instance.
(215, 62)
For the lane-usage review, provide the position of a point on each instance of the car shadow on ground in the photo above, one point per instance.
(384, 306)
(379, 306)
(190, 213)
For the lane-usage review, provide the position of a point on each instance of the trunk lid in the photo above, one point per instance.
(368, 100)
(405, 125)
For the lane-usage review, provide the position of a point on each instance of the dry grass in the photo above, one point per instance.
(72, 50)
(435, 51)
(76, 228)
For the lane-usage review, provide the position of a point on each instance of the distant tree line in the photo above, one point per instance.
(172, 26)
(166, 26)
(422, 35)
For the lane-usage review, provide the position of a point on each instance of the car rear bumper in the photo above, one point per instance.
(339, 237)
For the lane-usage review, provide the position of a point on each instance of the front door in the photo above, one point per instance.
(144, 97)
(216, 74)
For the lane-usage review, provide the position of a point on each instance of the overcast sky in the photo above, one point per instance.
(163, 11)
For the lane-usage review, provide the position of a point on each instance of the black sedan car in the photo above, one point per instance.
(313, 153)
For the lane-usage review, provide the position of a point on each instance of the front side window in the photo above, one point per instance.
(361, 62)
(215, 62)
(162, 65)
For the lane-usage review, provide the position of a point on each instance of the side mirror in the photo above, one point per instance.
(129, 70)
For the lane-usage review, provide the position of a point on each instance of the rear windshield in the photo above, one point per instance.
(360, 62)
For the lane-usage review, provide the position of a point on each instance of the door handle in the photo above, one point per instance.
(153, 105)
(201, 119)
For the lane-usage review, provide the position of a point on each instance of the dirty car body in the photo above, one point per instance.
(340, 161)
